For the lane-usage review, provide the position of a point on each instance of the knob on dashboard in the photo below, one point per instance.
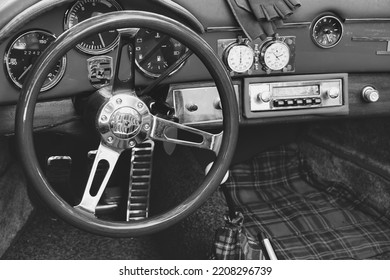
(265, 96)
(370, 94)
(333, 92)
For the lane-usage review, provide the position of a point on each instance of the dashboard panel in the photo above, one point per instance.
(352, 41)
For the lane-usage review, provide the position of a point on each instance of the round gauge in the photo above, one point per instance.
(155, 52)
(239, 58)
(327, 31)
(22, 54)
(275, 55)
(102, 42)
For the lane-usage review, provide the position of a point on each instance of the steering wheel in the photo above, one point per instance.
(124, 121)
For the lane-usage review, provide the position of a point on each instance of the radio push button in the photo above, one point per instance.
(299, 102)
(279, 103)
(317, 101)
(308, 101)
(290, 102)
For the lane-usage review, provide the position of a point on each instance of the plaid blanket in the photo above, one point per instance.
(232, 242)
(303, 217)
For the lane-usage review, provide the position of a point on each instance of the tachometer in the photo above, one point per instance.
(22, 54)
(155, 52)
(84, 9)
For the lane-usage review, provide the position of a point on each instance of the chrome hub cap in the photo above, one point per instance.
(124, 121)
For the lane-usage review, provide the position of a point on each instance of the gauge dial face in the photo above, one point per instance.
(102, 42)
(22, 54)
(276, 55)
(327, 31)
(240, 58)
(155, 52)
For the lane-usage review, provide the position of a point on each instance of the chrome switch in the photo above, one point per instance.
(370, 94)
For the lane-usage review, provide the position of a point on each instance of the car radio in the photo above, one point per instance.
(295, 95)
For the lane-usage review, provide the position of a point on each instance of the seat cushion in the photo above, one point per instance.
(304, 217)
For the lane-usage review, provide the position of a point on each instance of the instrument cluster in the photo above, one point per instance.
(155, 51)
(242, 56)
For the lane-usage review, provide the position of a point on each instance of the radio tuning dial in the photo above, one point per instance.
(265, 96)
(333, 92)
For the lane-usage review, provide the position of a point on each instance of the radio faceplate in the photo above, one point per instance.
(296, 95)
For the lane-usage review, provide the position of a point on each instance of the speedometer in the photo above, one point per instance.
(155, 52)
(102, 42)
(22, 54)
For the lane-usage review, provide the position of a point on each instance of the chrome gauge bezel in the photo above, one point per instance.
(15, 82)
(152, 75)
(87, 50)
(315, 24)
(227, 54)
(264, 50)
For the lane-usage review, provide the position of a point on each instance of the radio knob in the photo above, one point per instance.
(333, 92)
(370, 94)
(265, 96)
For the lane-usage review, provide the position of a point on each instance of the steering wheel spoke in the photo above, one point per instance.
(199, 138)
(108, 158)
(125, 83)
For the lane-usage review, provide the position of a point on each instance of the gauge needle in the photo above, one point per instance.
(101, 40)
(328, 37)
(162, 41)
(25, 72)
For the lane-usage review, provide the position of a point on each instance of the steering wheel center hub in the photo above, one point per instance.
(124, 121)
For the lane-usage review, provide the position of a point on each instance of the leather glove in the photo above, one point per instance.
(273, 9)
(260, 18)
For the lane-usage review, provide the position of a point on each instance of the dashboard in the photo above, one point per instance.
(328, 60)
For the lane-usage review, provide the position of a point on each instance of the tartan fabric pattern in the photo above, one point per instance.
(303, 217)
(232, 242)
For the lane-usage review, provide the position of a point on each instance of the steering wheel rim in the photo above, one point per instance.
(30, 92)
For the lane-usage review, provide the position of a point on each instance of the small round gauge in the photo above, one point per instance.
(155, 52)
(102, 42)
(275, 55)
(22, 54)
(327, 31)
(239, 57)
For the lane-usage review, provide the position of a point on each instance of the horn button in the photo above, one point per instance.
(124, 121)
